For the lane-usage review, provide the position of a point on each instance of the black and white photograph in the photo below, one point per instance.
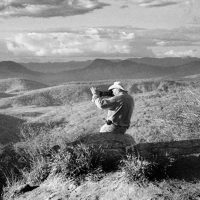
(99, 100)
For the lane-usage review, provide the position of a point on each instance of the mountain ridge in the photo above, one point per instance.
(104, 69)
(101, 69)
(14, 67)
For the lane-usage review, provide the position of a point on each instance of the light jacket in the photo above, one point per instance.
(120, 108)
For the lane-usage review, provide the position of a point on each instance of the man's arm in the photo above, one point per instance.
(103, 103)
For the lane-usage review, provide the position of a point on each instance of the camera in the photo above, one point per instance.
(108, 93)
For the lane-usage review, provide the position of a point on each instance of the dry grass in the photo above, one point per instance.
(166, 116)
(168, 111)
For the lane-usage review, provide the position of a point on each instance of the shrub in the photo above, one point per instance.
(40, 160)
(77, 161)
(38, 172)
(136, 170)
(142, 171)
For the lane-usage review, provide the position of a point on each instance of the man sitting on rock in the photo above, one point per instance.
(120, 108)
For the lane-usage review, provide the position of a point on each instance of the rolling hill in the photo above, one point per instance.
(158, 116)
(51, 96)
(13, 85)
(79, 92)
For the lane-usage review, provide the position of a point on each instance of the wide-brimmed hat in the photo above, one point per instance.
(116, 85)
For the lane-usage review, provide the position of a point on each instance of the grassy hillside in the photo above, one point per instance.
(13, 85)
(164, 111)
(78, 92)
(70, 106)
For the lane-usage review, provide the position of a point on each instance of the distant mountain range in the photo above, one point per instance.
(10, 69)
(165, 62)
(55, 67)
(13, 67)
(103, 69)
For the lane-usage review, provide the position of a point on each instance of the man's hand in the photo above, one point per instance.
(94, 91)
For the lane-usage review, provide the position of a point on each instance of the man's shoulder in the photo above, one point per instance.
(127, 98)
(121, 96)
(124, 97)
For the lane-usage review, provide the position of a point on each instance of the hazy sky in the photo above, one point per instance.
(59, 30)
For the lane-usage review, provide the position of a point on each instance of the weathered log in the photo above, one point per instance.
(113, 146)
(168, 149)
(117, 146)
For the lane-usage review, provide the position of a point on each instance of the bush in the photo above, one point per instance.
(77, 162)
(142, 171)
(38, 172)
(136, 170)
(40, 160)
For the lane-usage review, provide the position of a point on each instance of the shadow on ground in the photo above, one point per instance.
(185, 168)
(174, 159)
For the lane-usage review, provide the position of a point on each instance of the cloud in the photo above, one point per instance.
(47, 8)
(175, 37)
(162, 43)
(105, 42)
(86, 42)
(156, 3)
(160, 3)
(174, 53)
(194, 13)
(4, 54)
